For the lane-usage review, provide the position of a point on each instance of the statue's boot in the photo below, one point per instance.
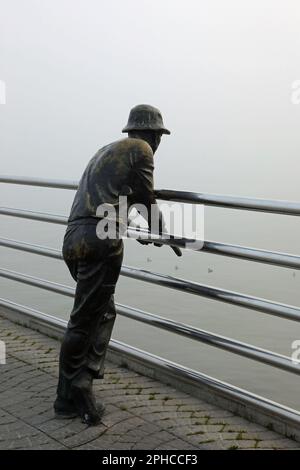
(64, 409)
(84, 400)
(64, 406)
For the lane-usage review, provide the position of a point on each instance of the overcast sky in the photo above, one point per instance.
(220, 71)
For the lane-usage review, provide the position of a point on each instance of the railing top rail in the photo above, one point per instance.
(220, 200)
(231, 202)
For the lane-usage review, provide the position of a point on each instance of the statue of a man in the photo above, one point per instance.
(124, 167)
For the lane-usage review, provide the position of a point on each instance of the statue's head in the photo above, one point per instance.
(145, 122)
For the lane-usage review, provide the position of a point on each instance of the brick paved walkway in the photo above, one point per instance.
(141, 413)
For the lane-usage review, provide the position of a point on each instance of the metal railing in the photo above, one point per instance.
(259, 304)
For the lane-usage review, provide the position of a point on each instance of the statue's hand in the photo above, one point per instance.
(177, 250)
(143, 242)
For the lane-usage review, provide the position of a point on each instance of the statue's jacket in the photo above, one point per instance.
(122, 168)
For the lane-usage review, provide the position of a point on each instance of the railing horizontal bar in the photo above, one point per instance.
(231, 202)
(33, 313)
(33, 215)
(37, 282)
(228, 344)
(212, 339)
(42, 182)
(150, 360)
(253, 254)
(31, 248)
(234, 251)
(255, 303)
(227, 201)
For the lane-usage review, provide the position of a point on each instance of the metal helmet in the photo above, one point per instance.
(145, 117)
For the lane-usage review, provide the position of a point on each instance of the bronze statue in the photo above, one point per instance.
(124, 167)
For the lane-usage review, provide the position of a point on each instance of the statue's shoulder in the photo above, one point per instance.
(136, 146)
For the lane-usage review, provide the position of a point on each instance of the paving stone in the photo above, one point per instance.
(85, 436)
